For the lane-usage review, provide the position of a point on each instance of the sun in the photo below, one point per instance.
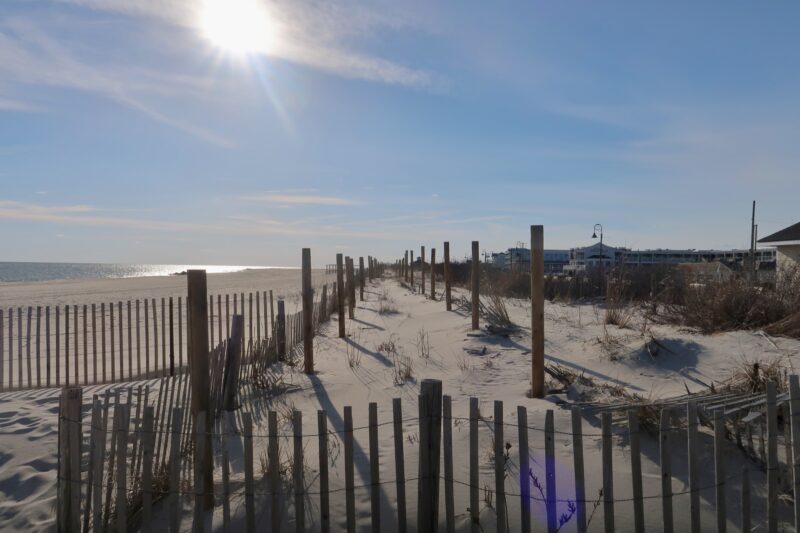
(239, 27)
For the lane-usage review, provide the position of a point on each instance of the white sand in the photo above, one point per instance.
(28, 420)
(282, 281)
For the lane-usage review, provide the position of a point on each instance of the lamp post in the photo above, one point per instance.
(602, 257)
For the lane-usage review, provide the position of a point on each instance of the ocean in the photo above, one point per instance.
(33, 272)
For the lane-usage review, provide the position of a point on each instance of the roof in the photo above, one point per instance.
(792, 233)
(713, 267)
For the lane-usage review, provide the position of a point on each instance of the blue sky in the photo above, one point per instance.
(127, 134)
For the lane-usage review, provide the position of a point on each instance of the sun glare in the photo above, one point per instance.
(239, 27)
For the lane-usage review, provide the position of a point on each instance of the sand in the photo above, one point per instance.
(355, 372)
(282, 281)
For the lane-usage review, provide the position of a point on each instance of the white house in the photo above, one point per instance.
(787, 241)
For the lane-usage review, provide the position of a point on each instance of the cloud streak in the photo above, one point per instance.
(298, 199)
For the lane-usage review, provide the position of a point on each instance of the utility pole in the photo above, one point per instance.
(753, 243)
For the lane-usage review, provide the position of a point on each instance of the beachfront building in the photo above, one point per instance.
(592, 256)
(520, 258)
(787, 244)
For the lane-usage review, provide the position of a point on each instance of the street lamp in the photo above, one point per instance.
(602, 257)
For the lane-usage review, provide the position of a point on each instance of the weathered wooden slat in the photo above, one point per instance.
(719, 470)
(524, 468)
(174, 471)
(374, 469)
(121, 413)
(349, 478)
(608, 474)
(324, 497)
(473, 460)
(249, 498)
(772, 459)
(577, 455)
(636, 470)
(666, 472)
(274, 470)
(147, 471)
(399, 464)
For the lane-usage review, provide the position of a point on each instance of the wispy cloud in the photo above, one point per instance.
(318, 34)
(298, 199)
(28, 56)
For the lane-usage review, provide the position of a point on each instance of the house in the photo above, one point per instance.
(520, 259)
(787, 241)
(713, 272)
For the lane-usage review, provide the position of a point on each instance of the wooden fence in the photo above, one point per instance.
(86, 344)
(140, 474)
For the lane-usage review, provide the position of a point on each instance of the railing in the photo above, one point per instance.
(150, 459)
(86, 344)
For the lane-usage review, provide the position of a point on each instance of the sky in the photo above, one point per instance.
(240, 131)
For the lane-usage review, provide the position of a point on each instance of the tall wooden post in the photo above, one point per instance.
(411, 267)
(476, 281)
(281, 329)
(69, 466)
(447, 298)
(422, 269)
(308, 314)
(433, 274)
(351, 289)
(537, 311)
(369, 266)
(197, 303)
(360, 279)
(405, 267)
(340, 294)
(430, 432)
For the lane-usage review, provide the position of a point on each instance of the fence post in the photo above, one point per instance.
(233, 357)
(361, 279)
(608, 474)
(476, 283)
(422, 269)
(351, 288)
(197, 304)
(537, 311)
(694, 489)
(308, 312)
(281, 329)
(411, 268)
(430, 430)
(433, 274)
(340, 294)
(447, 298)
(69, 465)
(405, 267)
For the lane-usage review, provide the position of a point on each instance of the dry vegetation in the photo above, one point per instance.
(663, 292)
